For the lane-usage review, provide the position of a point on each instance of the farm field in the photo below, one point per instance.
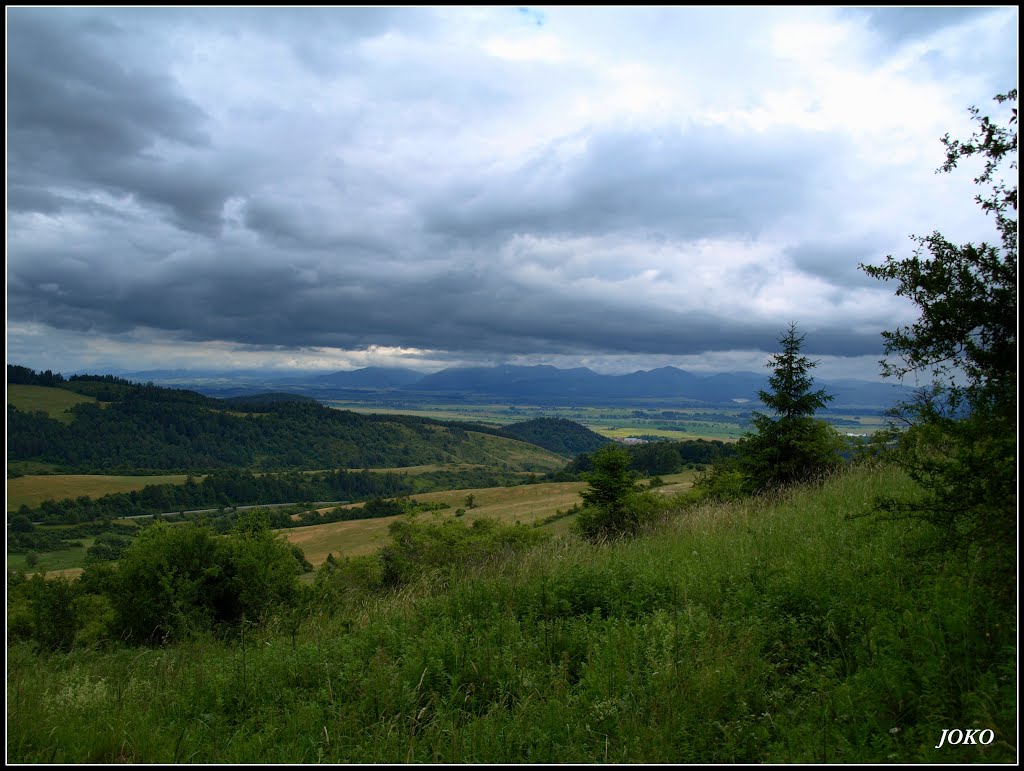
(526, 504)
(34, 489)
(676, 422)
(55, 402)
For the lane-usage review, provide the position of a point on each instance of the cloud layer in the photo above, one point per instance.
(342, 187)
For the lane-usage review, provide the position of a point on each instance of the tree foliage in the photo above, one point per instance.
(961, 442)
(790, 446)
(614, 504)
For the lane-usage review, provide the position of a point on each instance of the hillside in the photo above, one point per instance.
(55, 402)
(781, 630)
(558, 435)
(169, 429)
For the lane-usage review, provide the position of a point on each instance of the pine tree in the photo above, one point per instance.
(790, 446)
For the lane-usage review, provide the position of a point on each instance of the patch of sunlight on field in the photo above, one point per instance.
(55, 402)
(525, 503)
(34, 489)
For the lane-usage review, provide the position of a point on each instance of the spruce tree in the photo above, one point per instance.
(789, 446)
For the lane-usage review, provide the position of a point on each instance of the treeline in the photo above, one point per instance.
(104, 388)
(234, 487)
(17, 375)
(656, 458)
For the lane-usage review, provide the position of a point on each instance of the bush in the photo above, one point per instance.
(417, 548)
(722, 482)
(626, 517)
(171, 581)
(44, 611)
(108, 546)
(175, 580)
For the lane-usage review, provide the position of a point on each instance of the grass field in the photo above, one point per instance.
(526, 504)
(615, 422)
(54, 562)
(55, 402)
(425, 468)
(781, 630)
(33, 490)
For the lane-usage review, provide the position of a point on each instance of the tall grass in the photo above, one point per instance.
(770, 630)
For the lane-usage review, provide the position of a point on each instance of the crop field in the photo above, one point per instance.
(678, 423)
(55, 402)
(33, 490)
(526, 504)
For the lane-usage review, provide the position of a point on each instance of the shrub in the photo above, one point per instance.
(417, 548)
(722, 482)
(174, 580)
(626, 517)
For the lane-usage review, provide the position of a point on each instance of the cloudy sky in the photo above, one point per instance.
(614, 188)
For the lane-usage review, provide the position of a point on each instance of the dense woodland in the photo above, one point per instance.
(559, 435)
(160, 429)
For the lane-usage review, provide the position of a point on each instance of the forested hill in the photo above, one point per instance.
(155, 428)
(558, 435)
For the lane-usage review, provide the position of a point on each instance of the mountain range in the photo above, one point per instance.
(540, 384)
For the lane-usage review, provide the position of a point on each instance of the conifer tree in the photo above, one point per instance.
(789, 446)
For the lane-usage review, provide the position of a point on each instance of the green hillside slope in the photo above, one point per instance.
(559, 435)
(172, 430)
(775, 630)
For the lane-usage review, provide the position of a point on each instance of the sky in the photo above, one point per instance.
(615, 188)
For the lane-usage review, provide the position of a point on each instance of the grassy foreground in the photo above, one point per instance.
(764, 631)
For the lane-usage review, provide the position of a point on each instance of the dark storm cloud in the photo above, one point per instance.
(702, 182)
(82, 120)
(68, 90)
(468, 183)
(463, 309)
(838, 261)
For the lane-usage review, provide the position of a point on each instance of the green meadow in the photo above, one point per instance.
(55, 402)
(787, 629)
